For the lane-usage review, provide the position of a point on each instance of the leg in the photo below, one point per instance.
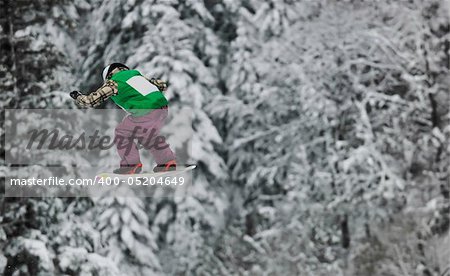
(124, 140)
(151, 138)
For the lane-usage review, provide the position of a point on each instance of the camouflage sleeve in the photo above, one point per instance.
(108, 89)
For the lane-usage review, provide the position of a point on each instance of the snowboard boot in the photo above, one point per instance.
(169, 166)
(129, 169)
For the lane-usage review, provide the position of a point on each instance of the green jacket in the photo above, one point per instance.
(136, 94)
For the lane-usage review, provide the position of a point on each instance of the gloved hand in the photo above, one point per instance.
(162, 85)
(75, 94)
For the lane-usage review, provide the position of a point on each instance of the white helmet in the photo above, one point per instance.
(108, 69)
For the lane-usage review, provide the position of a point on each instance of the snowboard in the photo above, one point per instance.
(179, 170)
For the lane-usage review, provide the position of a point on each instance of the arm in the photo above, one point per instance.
(162, 85)
(93, 99)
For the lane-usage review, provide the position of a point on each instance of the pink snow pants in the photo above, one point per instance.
(144, 129)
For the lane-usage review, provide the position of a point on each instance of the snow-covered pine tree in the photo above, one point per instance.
(172, 41)
(272, 109)
(124, 228)
(37, 50)
(179, 46)
(348, 165)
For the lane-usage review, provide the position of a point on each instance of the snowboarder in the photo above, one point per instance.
(147, 108)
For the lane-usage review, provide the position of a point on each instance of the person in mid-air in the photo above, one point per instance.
(147, 108)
